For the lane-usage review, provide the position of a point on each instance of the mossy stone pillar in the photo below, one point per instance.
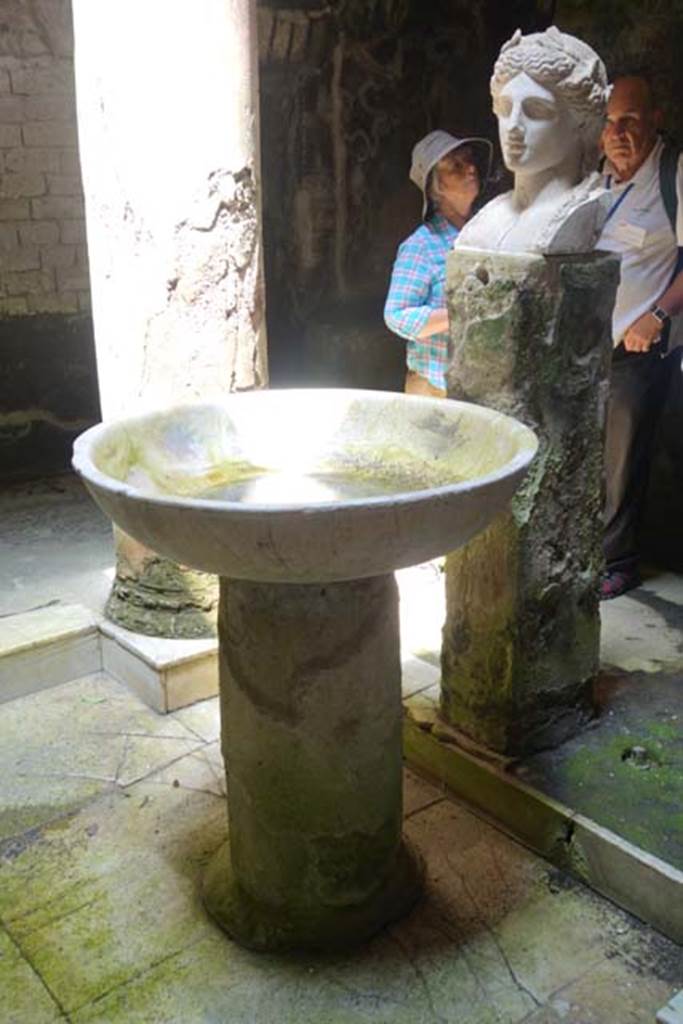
(311, 729)
(531, 336)
(167, 98)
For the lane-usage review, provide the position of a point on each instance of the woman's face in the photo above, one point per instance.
(536, 129)
(458, 179)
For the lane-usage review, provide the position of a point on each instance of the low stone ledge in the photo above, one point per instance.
(639, 882)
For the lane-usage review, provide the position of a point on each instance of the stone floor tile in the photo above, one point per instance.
(202, 771)
(418, 793)
(476, 873)
(56, 545)
(464, 977)
(667, 585)
(23, 996)
(64, 746)
(25, 632)
(203, 719)
(94, 704)
(613, 991)
(386, 982)
(552, 940)
(638, 634)
(114, 891)
(215, 980)
(518, 922)
(417, 675)
(146, 754)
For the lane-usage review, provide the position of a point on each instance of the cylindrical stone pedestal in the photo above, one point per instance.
(531, 336)
(311, 728)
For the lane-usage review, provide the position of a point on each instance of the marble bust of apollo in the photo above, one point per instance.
(549, 94)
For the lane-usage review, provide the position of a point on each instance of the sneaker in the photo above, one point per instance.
(616, 582)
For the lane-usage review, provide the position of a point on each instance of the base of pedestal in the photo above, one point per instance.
(153, 596)
(312, 928)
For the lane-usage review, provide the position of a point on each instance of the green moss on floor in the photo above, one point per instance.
(625, 773)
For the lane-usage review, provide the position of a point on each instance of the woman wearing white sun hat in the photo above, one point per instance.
(450, 172)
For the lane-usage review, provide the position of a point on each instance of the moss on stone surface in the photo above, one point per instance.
(314, 925)
(640, 801)
(625, 773)
(522, 630)
(164, 599)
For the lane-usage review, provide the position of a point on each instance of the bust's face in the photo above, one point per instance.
(536, 129)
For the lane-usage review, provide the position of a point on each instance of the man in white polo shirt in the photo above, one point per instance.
(639, 228)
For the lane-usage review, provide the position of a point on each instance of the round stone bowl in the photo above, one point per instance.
(304, 502)
(306, 485)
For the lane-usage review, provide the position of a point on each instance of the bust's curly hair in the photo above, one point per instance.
(566, 66)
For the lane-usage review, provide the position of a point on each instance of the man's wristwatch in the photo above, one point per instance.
(660, 314)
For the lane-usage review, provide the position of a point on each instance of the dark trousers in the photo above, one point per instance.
(638, 387)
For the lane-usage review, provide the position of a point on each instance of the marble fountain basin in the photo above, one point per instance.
(306, 485)
(304, 502)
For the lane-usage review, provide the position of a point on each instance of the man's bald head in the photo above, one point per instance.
(633, 117)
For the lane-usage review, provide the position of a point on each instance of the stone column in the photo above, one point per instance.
(167, 98)
(311, 711)
(531, 336)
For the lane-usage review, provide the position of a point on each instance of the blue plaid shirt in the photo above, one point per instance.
(418, 286)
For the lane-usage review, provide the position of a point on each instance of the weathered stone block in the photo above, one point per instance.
(10, 135)
(14, 209)
(69, 162)
(9, 239)
(72, 278)
(43, 75)
(49, 108)
(64, 184)
(11, 109)
(39, 233)
(24, 258)
(58, 208)
(13, 186)
(13, 306)
(29, 281)
(25, 161)
(531, 336)
(72, 231)
(49, 133)
(65, 302)
(58, 256)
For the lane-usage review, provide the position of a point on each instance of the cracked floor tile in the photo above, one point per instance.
(64, 746)
(114, 891)
(24, 996)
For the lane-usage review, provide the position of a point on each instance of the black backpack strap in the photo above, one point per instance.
(668, 165)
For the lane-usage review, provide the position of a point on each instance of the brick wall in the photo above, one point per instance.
(43, 258)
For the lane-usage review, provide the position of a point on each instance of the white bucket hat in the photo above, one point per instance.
(429, 150)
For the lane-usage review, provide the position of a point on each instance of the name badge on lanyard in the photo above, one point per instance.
(630, 234)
